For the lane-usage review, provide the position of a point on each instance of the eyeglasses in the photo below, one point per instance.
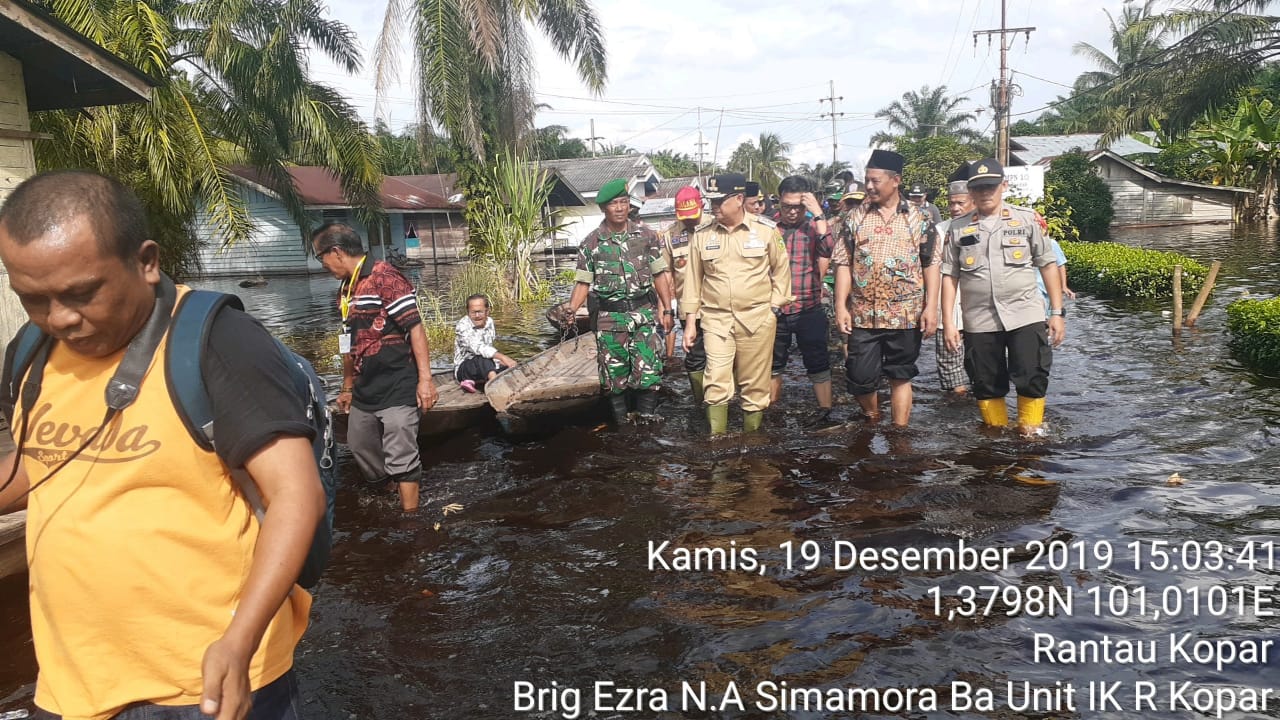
(320, 255)
(787, 207)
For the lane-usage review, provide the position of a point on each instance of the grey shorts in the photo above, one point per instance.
(385, 443)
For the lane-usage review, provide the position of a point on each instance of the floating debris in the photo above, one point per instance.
(1175, 480)
(451, 508)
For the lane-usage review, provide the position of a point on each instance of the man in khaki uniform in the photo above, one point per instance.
(739, 275)
(676, 239)
(992, 259)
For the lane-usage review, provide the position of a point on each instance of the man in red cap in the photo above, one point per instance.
(675, 246)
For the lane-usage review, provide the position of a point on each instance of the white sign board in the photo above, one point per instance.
(1026, 181)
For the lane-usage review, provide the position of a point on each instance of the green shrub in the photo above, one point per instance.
(1075, 180)
(1120, 271)
(1255, 333)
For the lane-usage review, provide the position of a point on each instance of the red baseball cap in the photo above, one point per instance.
(688, 203)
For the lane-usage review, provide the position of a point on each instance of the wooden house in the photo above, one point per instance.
(1142, 197)
(423, 214)
(584, 176)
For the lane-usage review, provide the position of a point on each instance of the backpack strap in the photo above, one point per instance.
(19, 357)
(188, 337)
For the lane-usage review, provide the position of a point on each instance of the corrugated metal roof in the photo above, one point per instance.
(669, 187)
(319, 187)
(586, 175)
(1039, 149)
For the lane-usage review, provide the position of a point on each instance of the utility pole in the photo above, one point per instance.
(833, 115)
(701, 144)
(593, 137)
(1001, 95)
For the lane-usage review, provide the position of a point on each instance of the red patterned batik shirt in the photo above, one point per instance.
(384, 308)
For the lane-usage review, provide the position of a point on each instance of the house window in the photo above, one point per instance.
(1182, 205)
(333, 215)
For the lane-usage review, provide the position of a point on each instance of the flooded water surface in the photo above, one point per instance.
(555, 571)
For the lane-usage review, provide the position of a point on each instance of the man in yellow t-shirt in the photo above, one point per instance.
(151, 583)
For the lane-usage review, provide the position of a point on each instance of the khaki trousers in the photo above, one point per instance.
(734, 352)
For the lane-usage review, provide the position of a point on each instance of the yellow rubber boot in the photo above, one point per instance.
(1030, 413)
(718, 419)
(751, 421)
(696, 378)
(994, 412)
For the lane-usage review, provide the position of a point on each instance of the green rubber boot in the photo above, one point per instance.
(751, 421)
(718, 419)
(696, 378)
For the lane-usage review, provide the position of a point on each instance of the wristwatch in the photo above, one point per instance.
(1062, 313)
(672, 313)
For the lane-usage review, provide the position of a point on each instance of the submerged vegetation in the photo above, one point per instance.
(1255, 333)
(1119, 271)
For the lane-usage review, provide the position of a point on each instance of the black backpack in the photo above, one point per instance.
(188, 336)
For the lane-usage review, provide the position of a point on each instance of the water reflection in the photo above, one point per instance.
(545, 575)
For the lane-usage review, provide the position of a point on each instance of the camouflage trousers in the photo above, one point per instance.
(628, 351)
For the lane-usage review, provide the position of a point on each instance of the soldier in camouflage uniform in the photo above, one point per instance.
(623, 265)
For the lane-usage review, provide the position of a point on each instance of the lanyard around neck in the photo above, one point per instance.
(351, 289)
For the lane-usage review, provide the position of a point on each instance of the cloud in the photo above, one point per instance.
(762, 68)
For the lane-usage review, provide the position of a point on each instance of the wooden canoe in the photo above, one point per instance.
(455, 410)
(561, 379)
(581, 324)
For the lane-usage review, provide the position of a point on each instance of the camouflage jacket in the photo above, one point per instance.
(620, 266)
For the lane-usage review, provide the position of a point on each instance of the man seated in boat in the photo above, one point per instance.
(475, 360)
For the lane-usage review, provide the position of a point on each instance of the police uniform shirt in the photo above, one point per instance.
(738, 273)
(676, 239)
(996, 261)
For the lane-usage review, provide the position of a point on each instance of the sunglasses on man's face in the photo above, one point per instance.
(787, 207)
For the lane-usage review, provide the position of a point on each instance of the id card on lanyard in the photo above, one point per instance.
(345, 336)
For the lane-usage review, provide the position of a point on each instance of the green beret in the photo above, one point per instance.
(611, 190)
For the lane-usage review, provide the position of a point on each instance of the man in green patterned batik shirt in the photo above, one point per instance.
(621, 262)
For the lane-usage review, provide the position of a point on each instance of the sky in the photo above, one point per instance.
(734, 71)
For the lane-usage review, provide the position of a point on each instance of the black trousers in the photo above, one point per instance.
(810, 330)
(476, 369)
(695, 359)
(872, 353)
(1022, 356)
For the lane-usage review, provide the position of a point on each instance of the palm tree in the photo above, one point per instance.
(474, 62)
(1221, 47)
(925, 114)
(822, 175)
(672, 164)
(764, 160)
(234, 90)
(1135, 38)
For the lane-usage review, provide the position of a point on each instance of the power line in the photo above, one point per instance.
(1146, 63)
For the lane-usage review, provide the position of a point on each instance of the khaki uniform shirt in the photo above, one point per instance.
(676, 239)
(997, 260)
(739, 273)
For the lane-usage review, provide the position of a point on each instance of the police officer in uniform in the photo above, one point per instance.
(621, 262)
(993, 258)
(739, 275)
(676, 239)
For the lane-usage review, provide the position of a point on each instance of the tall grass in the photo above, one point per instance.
(507, 226)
